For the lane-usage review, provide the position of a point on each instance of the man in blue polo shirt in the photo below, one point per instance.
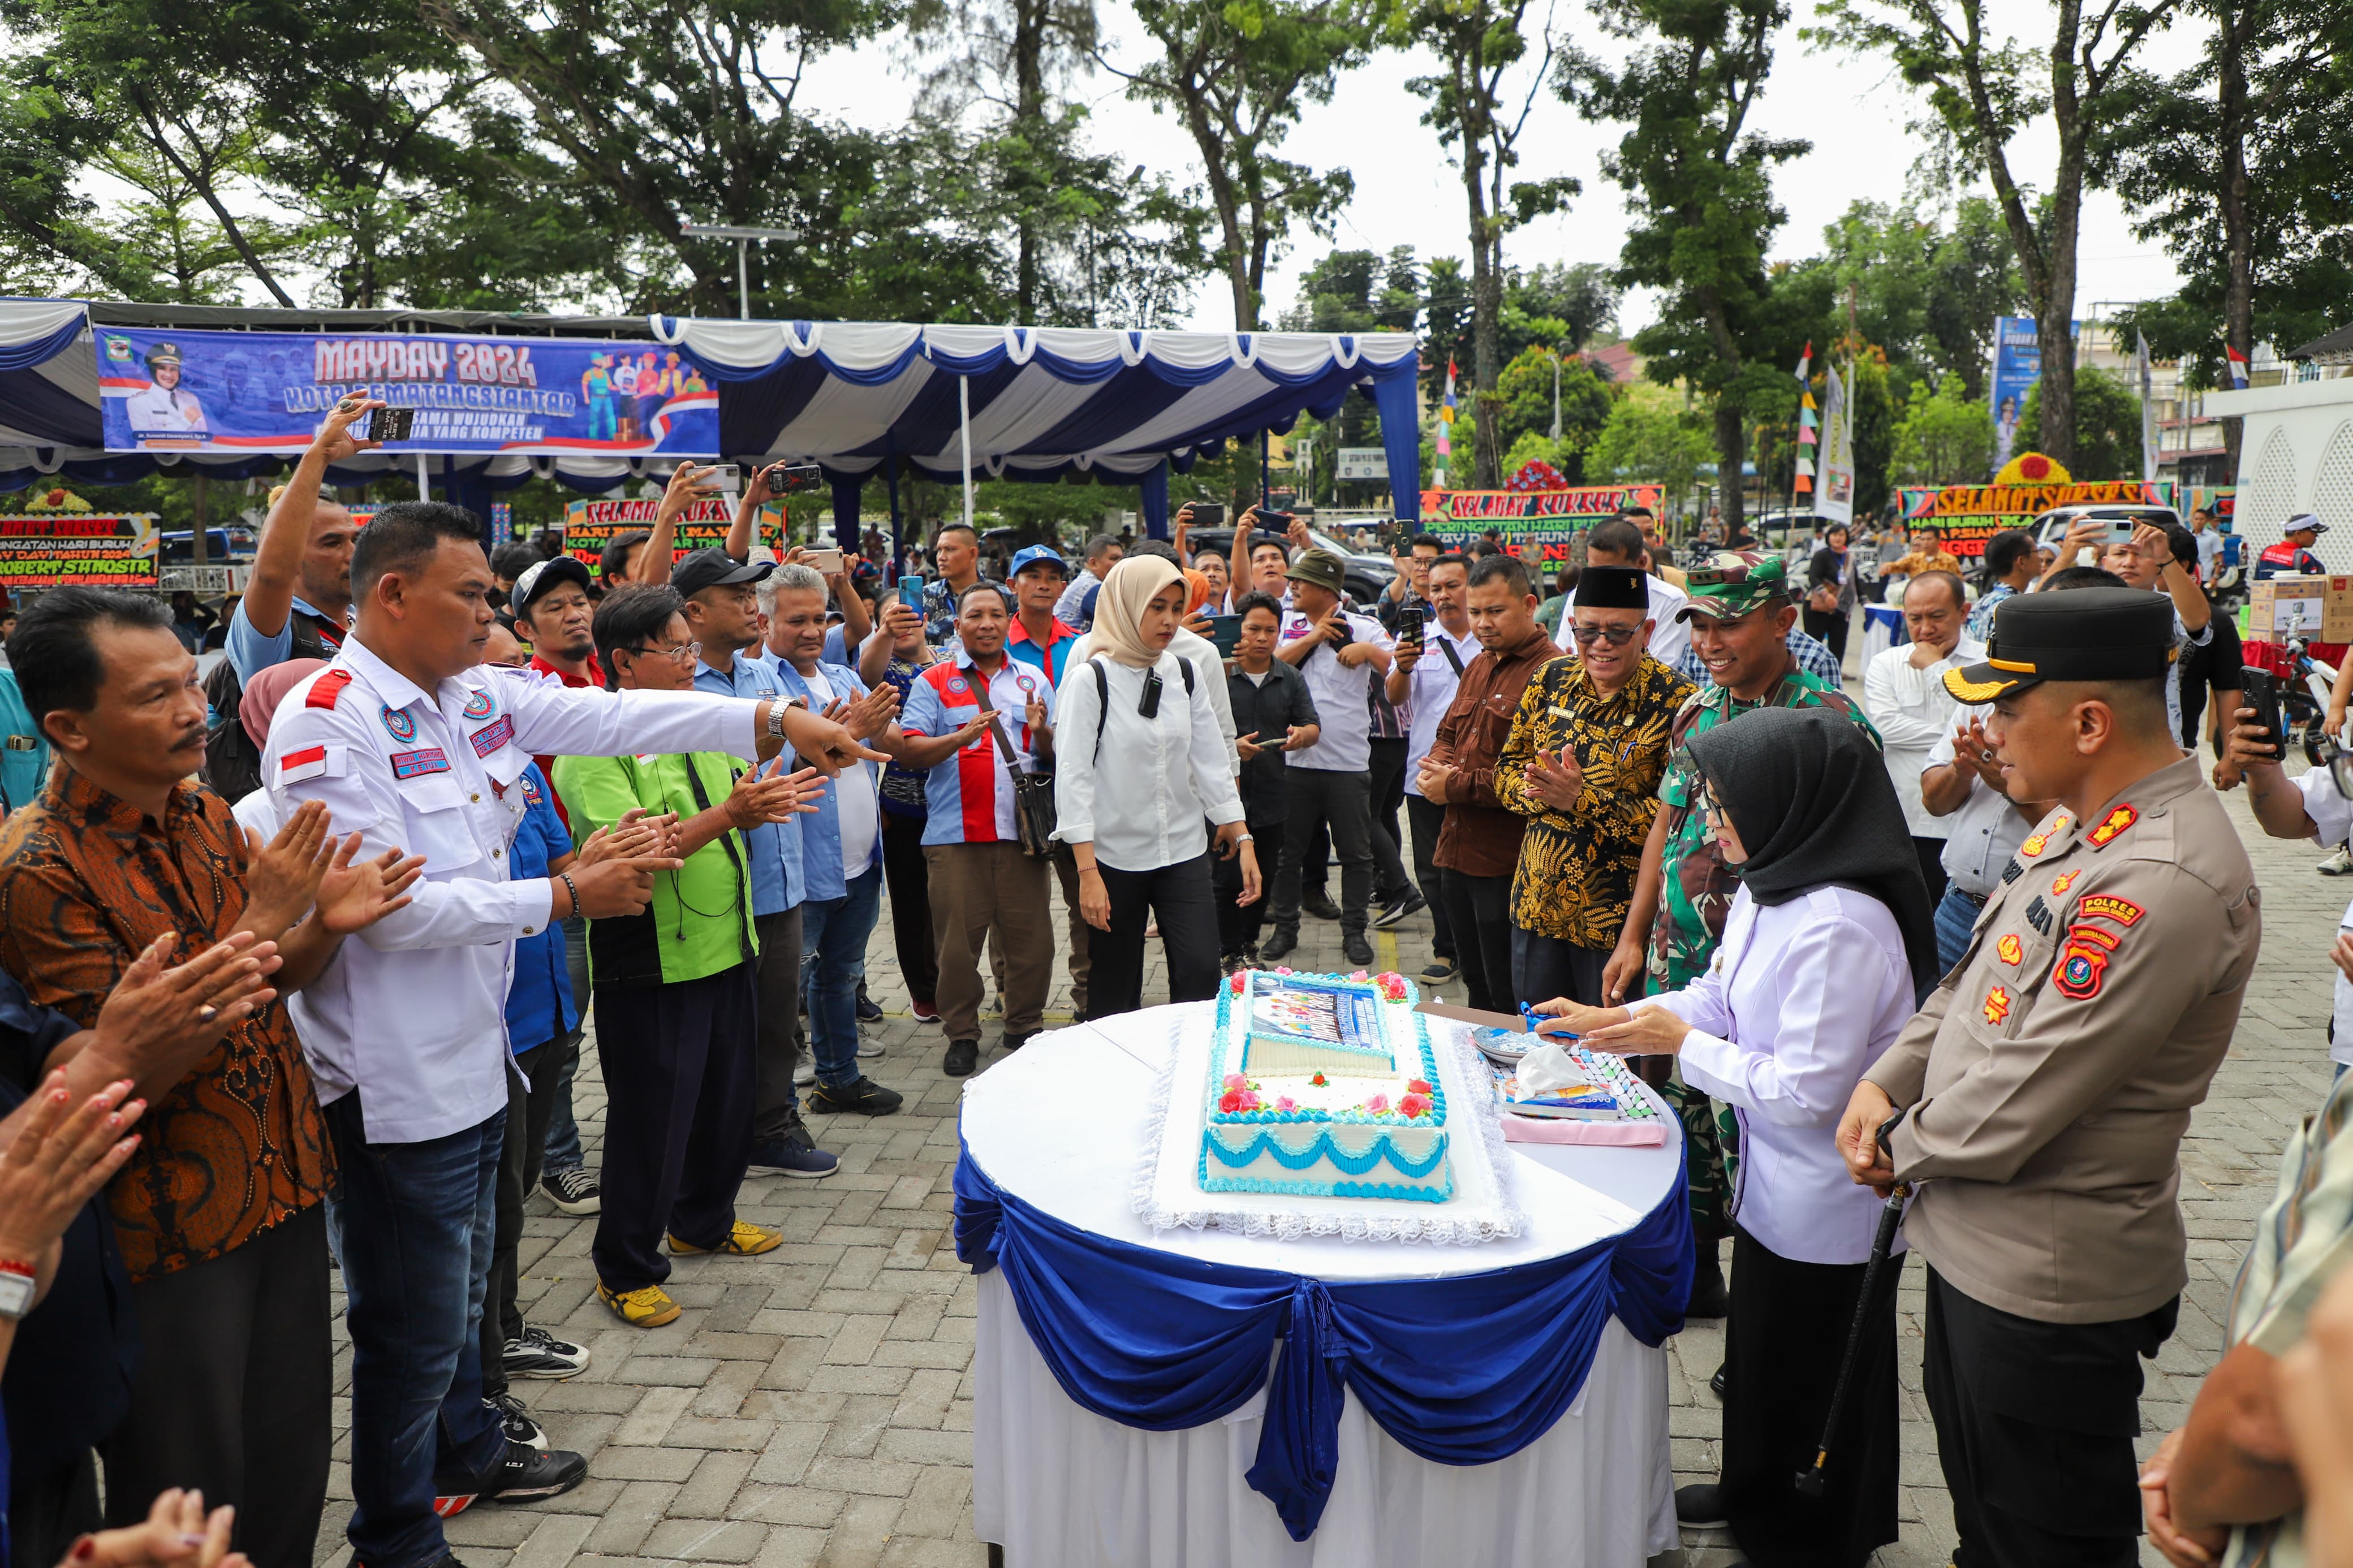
(841, 845)
(723, 607)
(1042, 640)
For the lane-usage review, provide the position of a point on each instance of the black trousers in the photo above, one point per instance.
(529, 1112)
(1829, 628)
(47, 1511)
(232, 1395)
(1932, 865)
(1386, 781)
(2035, 1425)
(1479, 913)
(678, 1119)
(776, 1041)
(908, 878)
(1543, 967)
(1318, 797)
(1782, 1346)
(1180, 898)
(1427, 819)
(1239, 924)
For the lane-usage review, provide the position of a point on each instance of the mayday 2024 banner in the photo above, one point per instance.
(169, 390)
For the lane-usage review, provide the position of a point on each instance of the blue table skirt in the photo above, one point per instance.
(1463, 1370)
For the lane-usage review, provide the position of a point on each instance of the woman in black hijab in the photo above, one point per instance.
(1826, 949)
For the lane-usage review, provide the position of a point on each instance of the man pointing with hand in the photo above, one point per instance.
(409, 742)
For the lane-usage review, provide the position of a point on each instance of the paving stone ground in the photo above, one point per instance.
(813, 1406)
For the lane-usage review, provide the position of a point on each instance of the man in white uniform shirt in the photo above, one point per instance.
(411, 743)
(1330, 781)
(1422, 680)
(1903, 692)
(1620, 542)
(1964, 789)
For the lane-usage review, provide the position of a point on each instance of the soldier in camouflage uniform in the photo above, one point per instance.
(1740, 613)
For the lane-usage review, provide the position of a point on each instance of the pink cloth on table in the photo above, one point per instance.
(1568, 1130)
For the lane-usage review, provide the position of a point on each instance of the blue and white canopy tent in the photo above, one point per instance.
(863, 399)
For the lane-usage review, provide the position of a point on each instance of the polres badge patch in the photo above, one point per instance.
(2083, 962)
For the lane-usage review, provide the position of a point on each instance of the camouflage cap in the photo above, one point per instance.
(1733, 583)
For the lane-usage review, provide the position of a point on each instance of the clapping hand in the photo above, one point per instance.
(353, 898)
(1034, 715)
(157, 1022)
(773, 797)
(638, 832)
(1554, 779)
(825, 744)
(282, 877)
(619, 886)
(177, 1532)
(54, 1157)
(870, 714)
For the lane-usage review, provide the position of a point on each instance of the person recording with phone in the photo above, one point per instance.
(1430, 660)
(2147, 560)
(844, 644)
(1141, 849)
(1276, 716)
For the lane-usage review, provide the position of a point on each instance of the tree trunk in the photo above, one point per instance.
(2238, 239)
(1029, 108)
(2055, 310)
(1731, 453)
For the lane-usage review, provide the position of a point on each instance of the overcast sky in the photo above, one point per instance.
(1407, 194)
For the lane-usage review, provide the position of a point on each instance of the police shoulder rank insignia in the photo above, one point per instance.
(480, 705)
(2123, 911)
(2083, 962)
(491, 737)
(2064, 880)
(2010, 949)
(1997, 1005)
(2115, 823)
(2014, 871)
(2041, 839)
(2037, 915)
(400, 723)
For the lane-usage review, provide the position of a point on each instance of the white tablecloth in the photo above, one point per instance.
(1061, 1125)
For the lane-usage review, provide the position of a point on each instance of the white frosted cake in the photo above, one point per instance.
(1324, 1085)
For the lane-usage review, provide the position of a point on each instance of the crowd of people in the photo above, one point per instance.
(1984, 934)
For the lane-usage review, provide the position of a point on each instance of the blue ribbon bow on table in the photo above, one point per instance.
(1463, 1371)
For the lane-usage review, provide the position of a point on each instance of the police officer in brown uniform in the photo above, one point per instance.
(2045, 1085)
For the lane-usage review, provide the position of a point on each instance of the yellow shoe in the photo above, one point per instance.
(746, 1240)
(650, 1308)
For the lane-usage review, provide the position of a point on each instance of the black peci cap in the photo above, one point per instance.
(2084, 634)
(1613, 588)
(709, 568)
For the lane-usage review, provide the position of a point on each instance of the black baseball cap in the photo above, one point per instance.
(2081, 634)
(713, 568)
(545, 577)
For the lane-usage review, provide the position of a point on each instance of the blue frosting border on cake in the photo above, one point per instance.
(1384, 1150)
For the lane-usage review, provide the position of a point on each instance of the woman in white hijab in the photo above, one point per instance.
(1139, 764)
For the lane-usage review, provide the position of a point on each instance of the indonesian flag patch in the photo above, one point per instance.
(308, 762)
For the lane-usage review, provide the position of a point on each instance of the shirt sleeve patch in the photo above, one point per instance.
(310, 763)
(2123, 911)
(491, 737)
(2083, 963)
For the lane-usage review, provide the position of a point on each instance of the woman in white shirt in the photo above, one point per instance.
(1826, 948)
(1139, 764)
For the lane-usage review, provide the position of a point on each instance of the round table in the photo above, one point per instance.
(1061, 1125)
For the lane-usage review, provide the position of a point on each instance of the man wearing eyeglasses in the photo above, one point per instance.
(1582, 766)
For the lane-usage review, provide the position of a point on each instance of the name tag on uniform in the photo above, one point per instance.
(416, 765)
(491, 737)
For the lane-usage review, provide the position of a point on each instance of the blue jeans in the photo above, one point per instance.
(1956, 916)
(416, 1223)
(563, 1146)
(833, 948)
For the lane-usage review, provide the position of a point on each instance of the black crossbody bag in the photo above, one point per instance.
(1033, 793)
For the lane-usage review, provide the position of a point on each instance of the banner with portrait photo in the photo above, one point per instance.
(1549, 519)
(164, 389)
(591, 525)
(1966, 516)
(82, 550)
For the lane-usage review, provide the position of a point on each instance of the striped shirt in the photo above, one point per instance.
(2301, 1242)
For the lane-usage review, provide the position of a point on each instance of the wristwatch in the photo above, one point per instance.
(17, 1286)
(777, 707)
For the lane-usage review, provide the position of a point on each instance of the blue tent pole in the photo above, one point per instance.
(1263, 485)
(1152, 496)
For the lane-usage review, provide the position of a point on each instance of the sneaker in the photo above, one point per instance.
(925, 1011)
(515, 1421)
(868, 1013)
(794, 1156)
(1700, 1506)
(574, 1191)
(520, 1475)
(650, 1308)
(868, 1048)
(1249, 956)
(2339, 863)
(1319, 904)
(1439, 971)
(538, 1354)
(805, 1074)
(1357, 949)
(860, 1094)
(1230, 962)
(1277, 947)
(744, 1239)
(1399, 908)
(963, 1058)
